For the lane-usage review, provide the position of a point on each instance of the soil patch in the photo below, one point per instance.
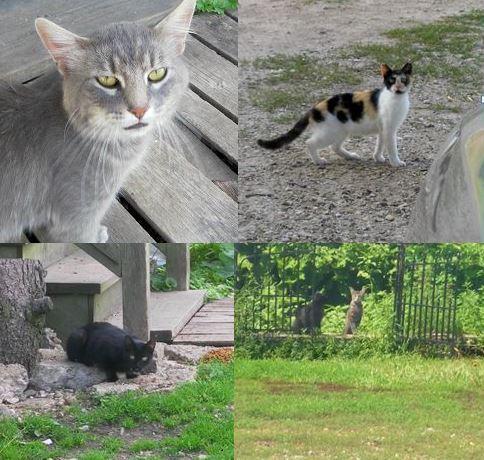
(281, 387)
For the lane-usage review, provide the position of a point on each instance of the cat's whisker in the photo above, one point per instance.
(75, 113)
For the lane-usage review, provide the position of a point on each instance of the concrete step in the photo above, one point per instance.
(48, 254)
(82, 290)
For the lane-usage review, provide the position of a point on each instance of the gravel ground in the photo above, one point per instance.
(284, 197)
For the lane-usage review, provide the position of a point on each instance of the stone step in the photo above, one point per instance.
(82, 291)
(48, 254)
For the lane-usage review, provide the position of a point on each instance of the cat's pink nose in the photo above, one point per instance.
(138, 112)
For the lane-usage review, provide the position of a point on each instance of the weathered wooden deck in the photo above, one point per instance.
(173, 197)
(213, 324)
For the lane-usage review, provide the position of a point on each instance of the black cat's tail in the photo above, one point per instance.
(75, 345)
(287, 138)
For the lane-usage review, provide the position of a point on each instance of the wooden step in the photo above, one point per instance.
(212, 325)
(82, 291)
(171, 311)
(48, 254)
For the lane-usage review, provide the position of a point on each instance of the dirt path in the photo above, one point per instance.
(284, 197)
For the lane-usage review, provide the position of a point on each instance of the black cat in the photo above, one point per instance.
(109, 348)
(308, 317)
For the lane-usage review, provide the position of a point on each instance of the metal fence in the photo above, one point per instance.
(273, 280)
(426, 297)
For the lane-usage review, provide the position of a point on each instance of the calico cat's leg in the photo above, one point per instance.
(378, 154)
(393, 151)
(343, 153)
(313, 149)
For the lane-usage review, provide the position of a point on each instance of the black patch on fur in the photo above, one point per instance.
(375, 95)
(343, 107)
(287, 138)
(333, 102)
(341, 116)
(317, 115)
(356, 110)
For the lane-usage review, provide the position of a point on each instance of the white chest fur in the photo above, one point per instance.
(393, 109)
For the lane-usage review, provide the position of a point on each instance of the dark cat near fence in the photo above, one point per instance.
(355, 311)
(309, 316)
(109, 348)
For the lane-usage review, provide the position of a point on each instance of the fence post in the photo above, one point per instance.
(135, 273)
(398, 324)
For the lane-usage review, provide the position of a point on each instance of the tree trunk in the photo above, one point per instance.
(23, 307)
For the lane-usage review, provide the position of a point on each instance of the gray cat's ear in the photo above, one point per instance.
(174, 28)
(62, 45)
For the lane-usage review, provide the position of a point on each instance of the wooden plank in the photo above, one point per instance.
(108, 254)
(233, 14)
(218, 319)
(202, 339)
(207, 328)
(171, 311)
(135, 273)
(182, 205)
(22, 52)
(213, 76)
(202, 157)
(78, 273)
(219, 131)
(178, 264)
(123, 227)
(218, 32)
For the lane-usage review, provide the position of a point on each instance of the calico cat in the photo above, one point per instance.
(308, 317)
(109, 348)
(378, 111)
(355, 311)
(69, 139)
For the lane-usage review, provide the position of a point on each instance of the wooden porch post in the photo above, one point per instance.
(178, 263)
(135, 273)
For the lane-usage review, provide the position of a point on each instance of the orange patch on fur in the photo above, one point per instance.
(368, 107)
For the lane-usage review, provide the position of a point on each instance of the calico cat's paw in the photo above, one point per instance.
(397, 162)
(103, 234)
(379, 159)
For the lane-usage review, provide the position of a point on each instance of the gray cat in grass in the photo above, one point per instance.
(69, 139)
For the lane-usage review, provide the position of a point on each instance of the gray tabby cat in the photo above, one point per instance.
(69, 139)
(355, 311)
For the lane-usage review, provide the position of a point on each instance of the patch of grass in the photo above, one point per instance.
(141, 445)
(441, 107)
(196, 409)
(445, 49)
(403, 406)
(216, 6)
(292, 81)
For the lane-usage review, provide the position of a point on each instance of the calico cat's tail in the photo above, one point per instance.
(287, 138)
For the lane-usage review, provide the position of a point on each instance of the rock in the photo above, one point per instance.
(118, 387)
(189, 354)
(13, 382)
(50, 339)
(6, 411)
(54, 372)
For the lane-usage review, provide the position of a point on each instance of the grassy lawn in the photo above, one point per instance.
(216, 6)
(403, 407)
(195, 419)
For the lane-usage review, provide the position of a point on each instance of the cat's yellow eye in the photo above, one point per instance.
(107, 81)
(157, 75)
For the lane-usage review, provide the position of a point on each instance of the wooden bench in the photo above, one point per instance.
(174, 197)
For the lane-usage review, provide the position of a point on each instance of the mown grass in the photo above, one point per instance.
(445, 50)
(197, 417)
(400, 407)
